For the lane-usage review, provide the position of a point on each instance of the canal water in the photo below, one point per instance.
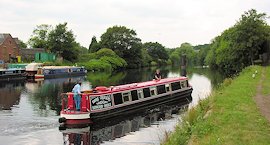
(29, 110)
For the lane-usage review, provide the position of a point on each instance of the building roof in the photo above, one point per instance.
(3, 37)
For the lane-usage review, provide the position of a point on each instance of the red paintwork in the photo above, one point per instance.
(39, 76)
(73, 112)
(85, 102)
(78, 121)
(71, 102)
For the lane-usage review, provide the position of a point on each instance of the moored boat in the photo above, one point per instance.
(106, 102)
(32, 68)
(47, 72)
(12, 74)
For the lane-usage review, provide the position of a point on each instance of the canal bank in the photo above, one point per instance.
(229, 116)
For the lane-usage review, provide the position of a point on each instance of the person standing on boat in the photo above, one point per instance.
(157, 75)
(77, 92)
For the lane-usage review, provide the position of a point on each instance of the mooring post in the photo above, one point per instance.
(183, 65)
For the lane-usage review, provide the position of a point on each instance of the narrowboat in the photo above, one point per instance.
(48, 72)
(32, 68)
(12, 74)
(107, 102)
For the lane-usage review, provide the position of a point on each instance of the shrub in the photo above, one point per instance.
(153, 63)
(116, 62)
(97, 65)
(105, 52)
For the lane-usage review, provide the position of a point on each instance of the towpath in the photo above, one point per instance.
(263, 101)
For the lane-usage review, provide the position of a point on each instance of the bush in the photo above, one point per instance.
(153, 63)
(87, 57)
(116, 62)
(97, 65)
(105, 52)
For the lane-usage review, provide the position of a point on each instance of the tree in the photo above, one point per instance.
(202, 52)
(39, 38)
(238, 46)
(146, 58)
(61, 41)
(156, 51)
(94, 45)
(252, 32)
(186, 49)
(124, 43)
(22, 44)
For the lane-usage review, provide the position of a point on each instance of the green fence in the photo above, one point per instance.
(44, 57)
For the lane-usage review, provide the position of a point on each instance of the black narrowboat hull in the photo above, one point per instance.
(128, 109)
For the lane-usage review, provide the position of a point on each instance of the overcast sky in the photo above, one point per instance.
(169, 22)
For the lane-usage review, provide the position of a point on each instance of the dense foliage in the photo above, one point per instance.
(125, 43)
(103, 60)
(157, 51)
(94, 45)
(58, 40)
(185, 49)
(238, 46)
(22, 44)
(39, 38)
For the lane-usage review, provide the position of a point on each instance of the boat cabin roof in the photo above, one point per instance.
(121, 88)
(59, 67)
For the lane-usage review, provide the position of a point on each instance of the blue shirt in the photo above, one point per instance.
(77, 89)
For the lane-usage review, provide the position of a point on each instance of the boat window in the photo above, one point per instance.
(167, 87)
(117, 98)
(153, 91)
(126, 96)
(140, 94)
(146, 92)
(161, 89)
(175, 86)
(183, 84)
(134, 95)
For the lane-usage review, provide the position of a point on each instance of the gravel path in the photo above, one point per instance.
(263, 102)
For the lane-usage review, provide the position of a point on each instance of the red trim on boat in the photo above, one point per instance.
(78, 121)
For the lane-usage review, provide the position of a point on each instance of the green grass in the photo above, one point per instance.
(266, 82)
(234, 118)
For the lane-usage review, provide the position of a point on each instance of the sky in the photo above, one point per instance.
(169, 22)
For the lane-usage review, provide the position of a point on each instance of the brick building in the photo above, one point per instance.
(9, 47)
(28, 54)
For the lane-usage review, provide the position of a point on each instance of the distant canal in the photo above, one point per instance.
(29, 110)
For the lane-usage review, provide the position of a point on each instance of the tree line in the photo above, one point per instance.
(119, 47)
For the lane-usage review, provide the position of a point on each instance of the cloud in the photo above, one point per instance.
(170, 22)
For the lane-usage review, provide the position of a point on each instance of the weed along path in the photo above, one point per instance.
(262, 98)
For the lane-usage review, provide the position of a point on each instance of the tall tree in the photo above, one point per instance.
(156, 51)
(22, 44)
(61, 41)
(94, 45)
(124, 43)
(238, 46)
(186, 49)
(39, 38)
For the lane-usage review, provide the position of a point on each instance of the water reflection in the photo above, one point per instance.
(118, 127)
(44, 94)
(10, 94)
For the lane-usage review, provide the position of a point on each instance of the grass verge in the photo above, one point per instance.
(229, 116)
